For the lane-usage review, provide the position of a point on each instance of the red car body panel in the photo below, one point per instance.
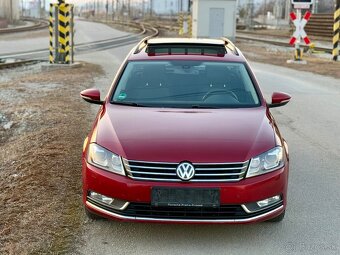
(195, 135)
(177, 135)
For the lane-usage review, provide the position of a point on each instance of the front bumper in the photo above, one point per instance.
(232, 195)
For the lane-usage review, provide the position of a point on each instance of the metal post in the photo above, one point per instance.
(106, 10)
(112, 10)
(39, 9)
(72, 34)
(11, 10)
(129, 8)
(298, 40)
(336, 30)
(288, 6)
(151, 7)
(316, 6)
(264, 12)
(56, 35)
(22, 8)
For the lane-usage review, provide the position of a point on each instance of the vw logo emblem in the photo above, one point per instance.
(185, 171)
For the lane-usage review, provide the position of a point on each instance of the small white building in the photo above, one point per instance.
(214, 18)
(167, 7)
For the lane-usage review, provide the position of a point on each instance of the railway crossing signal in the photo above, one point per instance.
(300, 23)
(299, 28)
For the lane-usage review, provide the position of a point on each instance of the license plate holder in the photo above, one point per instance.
(185, 197)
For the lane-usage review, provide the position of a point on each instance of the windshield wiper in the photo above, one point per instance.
(129, 104)
(203, 107)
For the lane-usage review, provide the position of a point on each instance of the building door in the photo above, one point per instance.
(216, 25)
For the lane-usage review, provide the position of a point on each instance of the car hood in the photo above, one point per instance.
(176, 135)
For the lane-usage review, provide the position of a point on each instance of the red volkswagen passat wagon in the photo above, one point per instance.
(185, 135)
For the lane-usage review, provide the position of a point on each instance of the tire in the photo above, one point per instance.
(278, 218)
(92, 215)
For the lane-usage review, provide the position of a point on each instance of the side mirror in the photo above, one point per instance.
(279, 99)
(92, 96)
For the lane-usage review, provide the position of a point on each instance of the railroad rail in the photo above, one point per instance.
(17, 64)
(38, 24)
(29, 57)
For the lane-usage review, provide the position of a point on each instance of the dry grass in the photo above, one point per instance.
(40, 171)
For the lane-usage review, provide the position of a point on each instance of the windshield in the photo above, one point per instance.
(186, 84)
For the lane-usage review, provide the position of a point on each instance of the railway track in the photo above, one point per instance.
(38, 24)
(17, 63)
(279, 43)
(34, 56)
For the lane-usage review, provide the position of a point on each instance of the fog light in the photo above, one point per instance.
(268, 201)
(261, 205)
(108, 201)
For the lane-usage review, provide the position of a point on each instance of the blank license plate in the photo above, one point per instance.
(185, 197)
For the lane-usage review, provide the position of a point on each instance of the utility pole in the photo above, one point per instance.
(112, 9)
(151, 7)
(250, 11)
(39, 9)
(22, 8)
(129, 8)
(287, 9)
(264, 11)
(316, 6)
(11, 10)
(107, 9)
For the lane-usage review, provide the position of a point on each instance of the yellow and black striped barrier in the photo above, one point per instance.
(190, 26)
(60, 32)
(64, 31)
(50, 27)
(181, 23)
(336, 30)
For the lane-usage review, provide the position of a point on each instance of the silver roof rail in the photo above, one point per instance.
(230, 45)
(144, 42)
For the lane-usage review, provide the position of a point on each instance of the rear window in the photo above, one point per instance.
(186, 84)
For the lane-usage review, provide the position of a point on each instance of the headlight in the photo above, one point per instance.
(266, 162)
(104, 159)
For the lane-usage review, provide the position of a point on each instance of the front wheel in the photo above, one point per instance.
(278, 218)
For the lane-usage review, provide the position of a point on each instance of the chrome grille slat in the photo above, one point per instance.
(152, 173)
(166, 171)
(152, 167)
(175, 164)
(228, 174)
(219, 169)
(178, 180)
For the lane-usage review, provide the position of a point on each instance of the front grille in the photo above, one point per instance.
(204, 172)
(224, 212)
